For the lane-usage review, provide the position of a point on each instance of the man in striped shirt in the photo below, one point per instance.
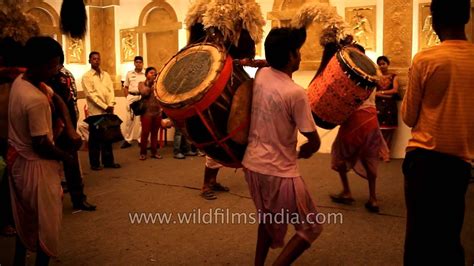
(439, 106)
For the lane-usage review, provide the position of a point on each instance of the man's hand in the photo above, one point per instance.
(125, 91)
(109, 110)
(310, 147)
(306, 150)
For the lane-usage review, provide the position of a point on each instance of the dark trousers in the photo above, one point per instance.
(99, 150)
(435, 189)
(150, 126)
(72, 172)
(73, 175)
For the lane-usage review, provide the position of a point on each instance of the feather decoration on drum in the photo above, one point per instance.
(335, 28)
(195, 13)
(229, 17)
(14, 23)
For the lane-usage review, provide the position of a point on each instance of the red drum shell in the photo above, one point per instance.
(341, 88)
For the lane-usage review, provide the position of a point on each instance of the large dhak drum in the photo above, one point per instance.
(346, 82)
(209, 98)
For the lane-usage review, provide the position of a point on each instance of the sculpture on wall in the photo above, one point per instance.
(431, 38)
(128, 41)
(75, 51)
(361, 20)
(362, 29)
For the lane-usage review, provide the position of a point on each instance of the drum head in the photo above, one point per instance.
(186, 78)
(360, 65)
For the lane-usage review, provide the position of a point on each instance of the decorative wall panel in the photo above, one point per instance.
(397, 23)
(75, 51)
(363, 22)
(128, 45)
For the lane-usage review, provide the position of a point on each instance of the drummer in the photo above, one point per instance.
(270, 160)
(358, 145)
(244, 50)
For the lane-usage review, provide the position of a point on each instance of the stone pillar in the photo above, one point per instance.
(102, 33)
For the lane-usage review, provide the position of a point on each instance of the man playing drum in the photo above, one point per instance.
(280, 108)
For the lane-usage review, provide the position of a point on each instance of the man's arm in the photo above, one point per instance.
(46, 149)
(39, 118)
(91, 92)
(412, 101)
(125, 91)
(310, 147)
(70, 131)
(126, 84)
(392, 91)
(111, 93)
(303, 118)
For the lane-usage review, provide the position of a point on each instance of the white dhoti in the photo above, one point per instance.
(36, 193)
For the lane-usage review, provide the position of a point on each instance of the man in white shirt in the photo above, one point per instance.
(99, 91)
(130, 88)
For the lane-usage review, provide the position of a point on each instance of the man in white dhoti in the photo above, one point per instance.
(33, 159)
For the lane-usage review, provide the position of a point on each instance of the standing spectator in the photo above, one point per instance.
(64, 85)
(439, 106)
(33, 157)
(280, 108)
(386, 100)
(130, 87)
(100, 97)
(151, 119)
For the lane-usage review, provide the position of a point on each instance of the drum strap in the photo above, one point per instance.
(232, 133)
(221, 141)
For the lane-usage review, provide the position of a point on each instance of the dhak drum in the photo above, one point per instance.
(209, 98)
(346, 82)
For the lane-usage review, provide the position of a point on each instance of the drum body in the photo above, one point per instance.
(348, 80)
(196, 89)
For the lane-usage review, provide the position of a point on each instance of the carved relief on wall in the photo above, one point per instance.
(398, 32)
(426, 35)
(128, 45)
(75, 51)
(363, 22)
(102, 36)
